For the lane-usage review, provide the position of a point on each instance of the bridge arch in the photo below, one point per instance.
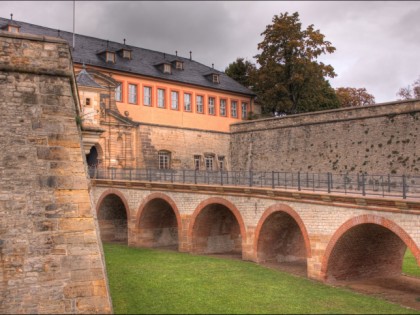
(281, 224)
(158, 222)
(113, 212)
(366, 246)
(216, 226)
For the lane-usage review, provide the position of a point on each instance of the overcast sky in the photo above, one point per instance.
(378, 42)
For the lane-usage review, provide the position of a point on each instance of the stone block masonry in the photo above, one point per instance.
(377, 139)
(51, 256)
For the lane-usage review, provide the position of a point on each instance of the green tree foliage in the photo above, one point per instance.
(290, 77)
(243, 71)
(410, 92)
(353, 97)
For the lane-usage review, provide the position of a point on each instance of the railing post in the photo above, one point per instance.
(250, 178)
(183, 176)
(363, 185)
(149, 174)
(221, 177)
(299, 180)
(172, 177)
(328, 182)
(195, 176)
(272, 179)
(404, 187)
(389, 183)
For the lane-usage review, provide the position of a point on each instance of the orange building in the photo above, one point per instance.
(172, 96)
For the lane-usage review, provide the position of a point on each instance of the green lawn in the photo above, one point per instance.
(410, 266)
(144, 281)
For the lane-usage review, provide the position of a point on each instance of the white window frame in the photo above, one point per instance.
(147, 96)
(209, 162)
(234, 109)
(200, 104)
(187, 102)
(161, 98)
(164, 160)
(244, 112)
(223, 107)
(132, 93)
(118, 93)
(211, 106)
(174, 100)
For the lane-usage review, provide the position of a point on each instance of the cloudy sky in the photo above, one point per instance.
(378, 42)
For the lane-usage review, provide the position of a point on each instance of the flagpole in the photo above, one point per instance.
(74, 18)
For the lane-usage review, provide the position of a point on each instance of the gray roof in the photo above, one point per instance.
(84, 79)
(143, 61)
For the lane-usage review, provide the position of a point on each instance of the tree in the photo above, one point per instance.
(410, 92)
(353, 97)
(290, 77)
(242, 71)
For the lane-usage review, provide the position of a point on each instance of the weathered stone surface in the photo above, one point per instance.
(51, 259)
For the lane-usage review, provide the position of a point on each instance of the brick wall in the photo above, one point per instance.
(314, 233)
(379, 139)
(51, 260)
(183, 144)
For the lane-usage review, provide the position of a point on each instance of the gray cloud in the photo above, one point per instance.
(377, 41)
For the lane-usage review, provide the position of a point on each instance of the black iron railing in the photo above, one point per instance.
(367, 185)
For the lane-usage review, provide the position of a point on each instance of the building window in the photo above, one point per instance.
(13, 29)
(147, 95)
(209, 162)
(110, 56)
(212, 100)
(179, 65)
(87, 101)
(174, 100)
(221, 160)
(234, 109)
(216, 78)
(161, 98)
(166, 68)
(132, 93)
(197, 160)
(244, 110)
(200, 105)
(222, 107)
(187, 102)
(118, 93)
(126, 54)
(164, 160)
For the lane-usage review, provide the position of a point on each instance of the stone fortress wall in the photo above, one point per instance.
(376, 139)
(51, 257)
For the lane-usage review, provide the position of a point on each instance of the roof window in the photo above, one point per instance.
(179, 65)
(110, 56)
(12, 26)
(167, 68)
(215, 78)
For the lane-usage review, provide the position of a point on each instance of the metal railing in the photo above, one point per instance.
(367, 185)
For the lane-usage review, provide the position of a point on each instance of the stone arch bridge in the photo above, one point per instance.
(330, 236)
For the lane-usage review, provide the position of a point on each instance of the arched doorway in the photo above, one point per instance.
(92, 158)
(158, 223)
(112, 219)
(217, 228)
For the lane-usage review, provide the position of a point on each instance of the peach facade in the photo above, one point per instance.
(216, 120)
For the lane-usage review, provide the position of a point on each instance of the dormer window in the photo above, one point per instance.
(13, 28)
(110, 56)
(126, 54)
(216, 78)
(166, 68)
(179, 65)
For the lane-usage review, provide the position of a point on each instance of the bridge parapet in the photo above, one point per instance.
(392, 186)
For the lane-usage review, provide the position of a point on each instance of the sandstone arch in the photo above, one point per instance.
(281, 237)
(216, 226)
(366, 246)
(113, 214)
(158, 222)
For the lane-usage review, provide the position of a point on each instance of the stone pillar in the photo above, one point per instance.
(51, 258)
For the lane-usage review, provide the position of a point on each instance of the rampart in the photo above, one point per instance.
(377, 139)
(51, 257)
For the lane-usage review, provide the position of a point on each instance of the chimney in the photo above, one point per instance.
(176, 53)
(190, 55)
(124, 41)
(212, 65)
